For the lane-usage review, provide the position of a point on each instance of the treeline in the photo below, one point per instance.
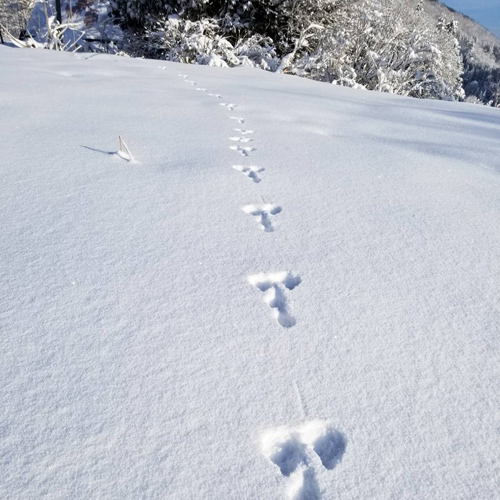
(384, 45)
(481, 80)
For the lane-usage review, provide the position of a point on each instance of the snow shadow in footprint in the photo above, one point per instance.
(228, 105)
(289, 455)
(240, 139)
(243, 150)
(262, 215)
(250, 172)
(293, 451)
(291, 458)
(330, 448)
(304, 485)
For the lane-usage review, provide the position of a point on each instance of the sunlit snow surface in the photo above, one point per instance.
(167, 332)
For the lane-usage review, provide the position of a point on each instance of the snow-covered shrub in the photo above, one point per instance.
(472, 99)
(186, 41)
(215, 32)
(257, 51)
(385, 45)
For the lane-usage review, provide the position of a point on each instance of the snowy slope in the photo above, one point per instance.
(140, 357)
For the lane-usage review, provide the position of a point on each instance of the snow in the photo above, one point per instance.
(156, 342)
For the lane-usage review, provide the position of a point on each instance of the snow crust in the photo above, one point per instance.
(139, 354)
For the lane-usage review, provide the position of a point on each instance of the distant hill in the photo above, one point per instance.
(469, 29)
(481, 55)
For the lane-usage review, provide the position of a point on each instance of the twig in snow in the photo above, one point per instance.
(124, 151)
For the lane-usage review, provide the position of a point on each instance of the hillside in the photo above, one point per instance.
(468, 25)
(291, 292)
(469, 29)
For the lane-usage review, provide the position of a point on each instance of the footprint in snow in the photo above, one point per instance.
(218, 96)
(202, 90)
(262, 214)
(240, 139)
(243, 150)
(298, 452)
(243, 132)
(273, 285)
(228, 105)
(250, 172)
(239, 120)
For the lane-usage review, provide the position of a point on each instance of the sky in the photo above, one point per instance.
(486, 12)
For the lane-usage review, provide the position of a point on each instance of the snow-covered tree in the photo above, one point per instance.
(384, 45)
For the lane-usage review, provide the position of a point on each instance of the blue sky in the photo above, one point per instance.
(486, 12)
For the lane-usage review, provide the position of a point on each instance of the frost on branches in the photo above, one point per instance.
(389, 46)
(385, 45)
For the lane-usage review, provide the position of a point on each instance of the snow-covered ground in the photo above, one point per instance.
(303, 305)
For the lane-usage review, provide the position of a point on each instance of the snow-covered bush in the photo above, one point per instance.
(257, 51)
(385, 45)
(182, 40)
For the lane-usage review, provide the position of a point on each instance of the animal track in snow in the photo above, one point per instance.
(243, 132)
(250, 172)
(273, 285)
(296, 451)
(202, 90)
(262, 214)
(216, 95)
(228, 105)
(241, 139)
(240, 120)
(243, 150)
